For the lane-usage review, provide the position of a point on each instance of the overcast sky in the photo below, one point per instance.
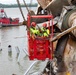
(15, 1)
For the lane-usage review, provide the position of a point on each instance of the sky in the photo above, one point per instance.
(15, 1)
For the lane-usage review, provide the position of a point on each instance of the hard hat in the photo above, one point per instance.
(44, 25)
(33, 24)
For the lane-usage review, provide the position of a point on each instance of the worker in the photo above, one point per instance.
(45, 30)
(34, 31)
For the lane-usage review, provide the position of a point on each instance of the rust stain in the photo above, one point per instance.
(69, 56)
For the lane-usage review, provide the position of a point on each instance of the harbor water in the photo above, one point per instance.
(10, 62)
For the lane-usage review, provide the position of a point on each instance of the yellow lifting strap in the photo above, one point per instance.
(68, 73)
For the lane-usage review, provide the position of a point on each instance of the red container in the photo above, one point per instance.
(40, 48)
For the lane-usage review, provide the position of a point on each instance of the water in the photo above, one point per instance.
(15, 12)
(14, 36)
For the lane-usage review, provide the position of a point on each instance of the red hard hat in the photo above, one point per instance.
(33, 24)
(44, 25)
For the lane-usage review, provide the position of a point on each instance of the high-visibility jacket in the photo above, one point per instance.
(33, 30)
(45, 32)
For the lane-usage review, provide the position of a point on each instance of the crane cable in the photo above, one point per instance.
(26, 6)
(30, 3)
(21, 10)
(30, 12)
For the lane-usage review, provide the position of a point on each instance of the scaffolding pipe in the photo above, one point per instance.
(17, 49)
(19, 57)
(25, 51)
(30, 67)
